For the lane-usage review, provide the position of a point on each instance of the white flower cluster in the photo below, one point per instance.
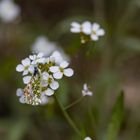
(9, 11)
(40, 74)
(88, 30)
(86, 91)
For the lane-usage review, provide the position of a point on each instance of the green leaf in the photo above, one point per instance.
(116, 119)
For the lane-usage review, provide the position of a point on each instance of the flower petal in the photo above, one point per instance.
(40, 55)
(95, 26)
(45, 75)
(19, 92)
(86, 27)
(58, 75)
(68, 72)
(44, 83)
(75, 27)
(64, 64)
(25, 72)
(19, 68)
(44, 99)
(54, 69)
(54, 85)
(49, 92)
(85, 87)
(94, 37)
(26, 79)
(100, 32)
(26, 62)
(22, 99)
(41, 60)
(31, 69)
(32, 57)
(57, 57)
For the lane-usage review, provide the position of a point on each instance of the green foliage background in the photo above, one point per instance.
(109, 66)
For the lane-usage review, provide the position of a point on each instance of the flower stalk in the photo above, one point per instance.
(68, 118)
(74, 103)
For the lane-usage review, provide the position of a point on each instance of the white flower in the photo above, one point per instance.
(39, 58)
(87, 138)
(96, 32)
(86, 91)
(59, 71)
(47, 80)
(57, 57)
(25, 66)
(42, 44)
(8, 10)
(85, 27)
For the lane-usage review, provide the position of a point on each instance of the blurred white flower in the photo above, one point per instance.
(25, 66)
(86, 91)
(87, 138)
(39, 58)
(96, 32)
(89, 31)
(85, 27)
(42, 44)
(8, 10)
(59, 71)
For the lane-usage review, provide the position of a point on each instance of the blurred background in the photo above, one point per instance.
(109, 66)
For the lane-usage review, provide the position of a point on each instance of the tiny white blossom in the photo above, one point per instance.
(25, 66)
(59, 71)
(47, 80)
(96, 32)
(8, 10)
(85, 27)
(57, 57)
(39, 58)
(87, 138)
(86, 91)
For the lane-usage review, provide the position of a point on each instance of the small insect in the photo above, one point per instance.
(35, 71)
(32, 89)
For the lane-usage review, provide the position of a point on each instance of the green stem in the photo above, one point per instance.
(70, 121)
(74, 103)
